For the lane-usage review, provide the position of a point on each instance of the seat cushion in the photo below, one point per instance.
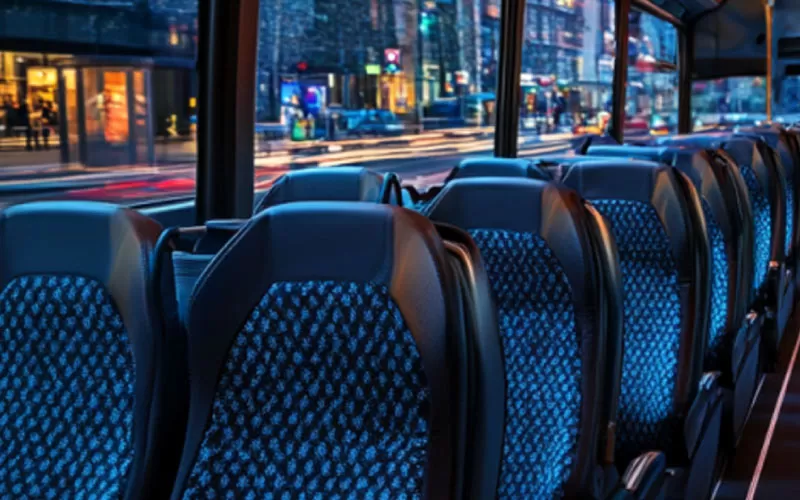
(322, 392)
(761, 224)
(67, 382)
(543, 362)
(646, 418)
(719, 344)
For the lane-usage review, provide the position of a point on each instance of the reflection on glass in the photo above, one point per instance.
(728, 101)
(651, 96)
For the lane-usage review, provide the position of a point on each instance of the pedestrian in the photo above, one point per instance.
(47, 122)
(8, 108)
(24, 121)
(35, 120)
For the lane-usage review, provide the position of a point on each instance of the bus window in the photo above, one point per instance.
(323, 72)
(77, 125)
(729, 101)
(567, 71)
(651, 106)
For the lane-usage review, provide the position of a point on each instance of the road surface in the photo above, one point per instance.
(423, 161)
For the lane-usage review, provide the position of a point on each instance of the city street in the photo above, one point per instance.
(422, 160)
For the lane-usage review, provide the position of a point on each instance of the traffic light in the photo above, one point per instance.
(391, 60)
(302, 66)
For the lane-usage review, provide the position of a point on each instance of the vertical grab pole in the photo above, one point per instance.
(685, 70)
(622, 9)
(512, 20)
(769, 6)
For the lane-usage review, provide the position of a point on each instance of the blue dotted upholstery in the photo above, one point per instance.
(718, 343)
(762, 223)
(652, 328)
(67, 384)
(789, 217)
(542, 360)
(322, 395)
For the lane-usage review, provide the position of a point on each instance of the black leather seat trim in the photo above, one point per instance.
(486, 394)
(112, 245)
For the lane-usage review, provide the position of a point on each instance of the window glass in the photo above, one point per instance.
(567, 72)
(395, 86)
(728, 101)
(97, 99)
(651, 106)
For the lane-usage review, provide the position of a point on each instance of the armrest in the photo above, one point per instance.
(644, 477)
(703, 413)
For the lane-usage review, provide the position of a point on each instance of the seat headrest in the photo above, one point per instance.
(611, 179)
(497, 167)
(101, 241)
(649, 153)
(325, 184)
(491, 202)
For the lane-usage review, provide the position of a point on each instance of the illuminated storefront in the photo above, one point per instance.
(106, 114)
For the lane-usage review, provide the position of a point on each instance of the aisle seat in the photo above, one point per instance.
(340, 366)
(557, 289)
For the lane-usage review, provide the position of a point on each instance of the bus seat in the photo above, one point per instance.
(666, 402)
(734, 329)
(339, 366)
(80, 368)
(559, 312)
(333, 184)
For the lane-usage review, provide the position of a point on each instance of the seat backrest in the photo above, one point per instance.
(665, 271)
(81, 343)
(339, 365)
(535, 239)
(333, 184)
(782, 158)
(731, 271)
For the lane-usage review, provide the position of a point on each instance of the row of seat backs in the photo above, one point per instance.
(772, 201)
(571, 226)
(115, 225)
(666, 188)
(657, 220)
(729, 226)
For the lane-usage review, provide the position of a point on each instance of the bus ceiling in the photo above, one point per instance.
(731, 40)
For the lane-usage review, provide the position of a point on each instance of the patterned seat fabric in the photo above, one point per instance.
(652, 328)
(761, 223)
(719, 344)
(66, 376)
(789, 216)
(323, 393)
(543, 362)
